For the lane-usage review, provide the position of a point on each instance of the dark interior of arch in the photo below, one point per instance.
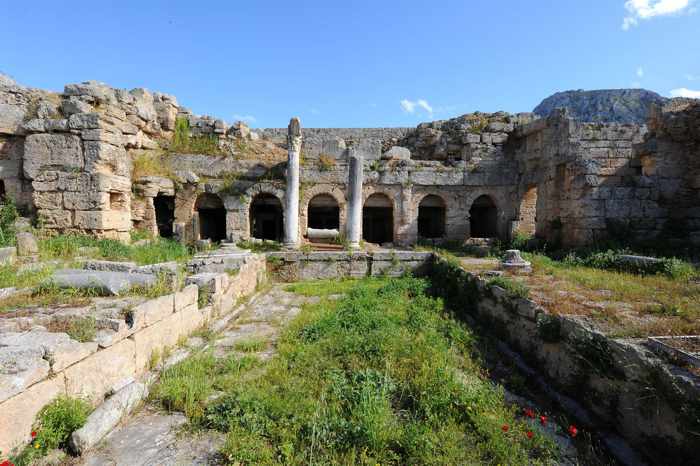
(483, 218)
(324, 212)
(212, 217)
(165, 215)
(3, 194)
(378, 220)
(266, 219)
(431, 218)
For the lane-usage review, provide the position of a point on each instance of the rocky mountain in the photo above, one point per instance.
(606, 105)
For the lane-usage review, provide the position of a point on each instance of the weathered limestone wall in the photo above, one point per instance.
(91, 370)
(296, 266)
(627, 388)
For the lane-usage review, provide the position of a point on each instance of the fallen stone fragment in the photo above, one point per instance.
(107, 416)
(107, 283)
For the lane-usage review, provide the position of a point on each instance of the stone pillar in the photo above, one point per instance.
(354, 220)
(291, 211)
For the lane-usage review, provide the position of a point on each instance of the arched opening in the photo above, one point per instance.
(165, 214)
(323, 212)
(266, 217)
(431, 217)
(3, 193)
(212, 217)
(378, 219)
(483, 218)
(527, 218)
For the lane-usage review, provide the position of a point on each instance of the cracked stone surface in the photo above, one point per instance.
(151, 437)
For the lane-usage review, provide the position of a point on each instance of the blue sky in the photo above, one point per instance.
(355, 63)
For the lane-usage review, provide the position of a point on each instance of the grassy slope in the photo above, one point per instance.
(377, 377)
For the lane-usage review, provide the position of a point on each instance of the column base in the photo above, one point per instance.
(290, 246)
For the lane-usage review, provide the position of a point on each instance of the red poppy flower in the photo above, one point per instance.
(529, 413)
(529, 434)
(33, 434)
(505, 427)
(573, 431)
(543, 420)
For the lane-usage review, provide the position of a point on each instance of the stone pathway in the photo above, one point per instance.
(154, 438)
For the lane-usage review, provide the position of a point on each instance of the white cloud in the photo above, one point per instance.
(684, 92)
(315, 111)
(410, 106)
(646, 9)
(691, 77)
(640, 72)
(246, 118)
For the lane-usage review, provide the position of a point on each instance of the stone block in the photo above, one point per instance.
(51, 152)
(156, 337)
(47, 200)
(186, 297)
(101, 157)
(154, 310)
(102, 136)
(56, 218)
(27, 244)
(20, 367)
(110, 183)
(89, 200)
(8, 255)
(84, 121)
(103, 220)
(18, 413)
(11, 118)
(102, 372)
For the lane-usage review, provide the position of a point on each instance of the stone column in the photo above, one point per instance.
(354, 218)
(291, 210)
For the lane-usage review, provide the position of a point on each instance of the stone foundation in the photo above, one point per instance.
(92, 372)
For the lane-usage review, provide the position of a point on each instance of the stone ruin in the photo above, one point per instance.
(70, 161)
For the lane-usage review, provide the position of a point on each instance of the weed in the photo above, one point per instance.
(150, 163)
(250, 345)
(8, 216)
(513, 288)
(326, 162)
(260, 246)
(81, 329)
(54, 425)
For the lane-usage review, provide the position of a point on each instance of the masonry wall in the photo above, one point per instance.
(620, 383)
(92, 371)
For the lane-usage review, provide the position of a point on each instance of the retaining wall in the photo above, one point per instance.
(295, 266)
(98, 370)
(653, 405)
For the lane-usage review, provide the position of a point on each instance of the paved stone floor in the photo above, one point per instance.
(155, 438)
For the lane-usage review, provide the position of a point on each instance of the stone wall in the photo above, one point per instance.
(620, 383)
(296, 266)
(93, 370)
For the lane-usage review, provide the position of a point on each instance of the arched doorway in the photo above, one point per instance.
(212, 217)
(378, 219)
(165, 215)
(266, 221)
(431, 217)
(323, 212)
(483, 218)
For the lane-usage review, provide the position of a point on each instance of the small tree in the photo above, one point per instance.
(181, 137)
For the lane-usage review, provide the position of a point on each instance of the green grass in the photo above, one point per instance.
(10, 276)
(81, 329)
(65, 247)
(380, 376)
(250, 345)
(325, 288)
(54, 424)
(8, 215)
(513, 288)
(264, 246)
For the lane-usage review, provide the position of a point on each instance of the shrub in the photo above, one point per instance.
(150, 163)
(8, 215)
(326, 162)
(260, 246)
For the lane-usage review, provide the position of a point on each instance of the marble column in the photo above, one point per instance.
(354, 217)
(291, 210)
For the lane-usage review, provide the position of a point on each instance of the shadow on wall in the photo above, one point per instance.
(212, 217)
(483, 218)
(431, 217)
(266, 217)
(378, 219)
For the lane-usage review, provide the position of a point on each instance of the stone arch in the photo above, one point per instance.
(378, 218)
(211, 215)
(315, 191)
(432, 217)
(483, 217)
